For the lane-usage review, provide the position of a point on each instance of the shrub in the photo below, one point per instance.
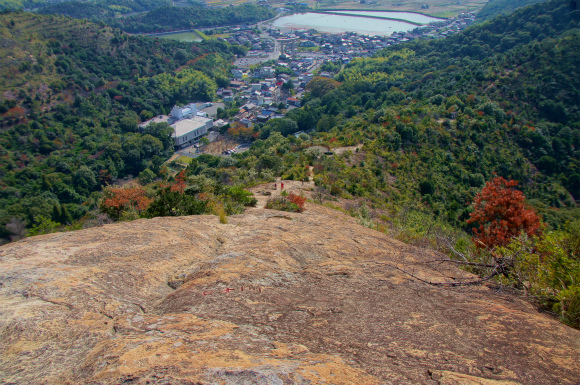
(292, 203)
(172, 203)
(569, 306)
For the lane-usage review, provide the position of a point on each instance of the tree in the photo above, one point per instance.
(204, 141)
(501, 214)
(146, 176)
(180, 56)
(173, 203)
(130, 122)
(117, 199)
(319, 86)
(84, 179)
(44, 225)
(426, 187)
(180, 182)
(59, 215)
(161, 131)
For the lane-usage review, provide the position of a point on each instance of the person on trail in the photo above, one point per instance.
(275, 186)
(282, 188)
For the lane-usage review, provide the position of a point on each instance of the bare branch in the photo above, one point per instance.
(465, 263)
(452, 284)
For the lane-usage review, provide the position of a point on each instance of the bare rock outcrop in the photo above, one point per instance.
(270, 298)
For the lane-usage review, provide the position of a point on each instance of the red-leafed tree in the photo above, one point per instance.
(180, 182)
(117, 199)
(501, 214)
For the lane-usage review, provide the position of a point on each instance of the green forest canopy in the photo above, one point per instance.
(78, 91)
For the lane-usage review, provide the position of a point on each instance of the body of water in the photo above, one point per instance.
(340, 24)
(410, 16)
(181, 36)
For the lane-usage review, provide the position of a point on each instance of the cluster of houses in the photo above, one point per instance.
(249, 39)
(336, 44)
(440, 29)
(264, 87)
(251, 113)
(262, 99)
(351, 44)
(262, 90)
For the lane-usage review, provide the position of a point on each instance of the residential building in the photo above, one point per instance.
(293, 102)
(266, 72)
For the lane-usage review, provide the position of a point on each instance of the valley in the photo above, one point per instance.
(400, 204)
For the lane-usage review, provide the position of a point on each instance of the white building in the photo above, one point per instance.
(188, 131)
(186, 112)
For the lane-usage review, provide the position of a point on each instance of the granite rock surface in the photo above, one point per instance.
(269, 298)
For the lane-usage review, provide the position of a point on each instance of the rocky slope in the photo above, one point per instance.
(270, 298)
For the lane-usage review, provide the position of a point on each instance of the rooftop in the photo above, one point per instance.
(187, 125)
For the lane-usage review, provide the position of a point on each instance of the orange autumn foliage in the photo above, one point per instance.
(501, 214)
(179, 184)
(118, 199)
(238, 131)
(298, 200)
(15, 112)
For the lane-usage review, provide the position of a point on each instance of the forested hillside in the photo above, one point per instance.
(196, 16)
(72, 94)
(159, 16)
(496, 8)
(100, 9)
(438, 118)
(19, 4)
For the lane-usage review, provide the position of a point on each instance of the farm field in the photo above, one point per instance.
(437, 8)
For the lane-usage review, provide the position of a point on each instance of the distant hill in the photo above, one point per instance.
(196, 16)
(19, 4)
(100, 9)
(147, 17)
(494, 8)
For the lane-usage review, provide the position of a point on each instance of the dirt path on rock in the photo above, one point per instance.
(265, 191)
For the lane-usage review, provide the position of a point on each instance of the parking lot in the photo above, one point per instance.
(212, 110)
